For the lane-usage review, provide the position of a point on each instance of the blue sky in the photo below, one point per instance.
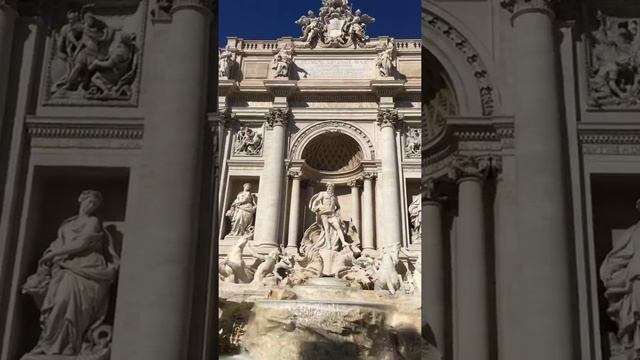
(271, 19)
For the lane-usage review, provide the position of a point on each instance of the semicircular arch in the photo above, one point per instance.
(308, 134)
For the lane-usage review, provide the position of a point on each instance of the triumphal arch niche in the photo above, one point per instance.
(319, 146)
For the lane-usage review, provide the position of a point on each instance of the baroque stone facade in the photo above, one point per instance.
(290, 187)
(529, 156)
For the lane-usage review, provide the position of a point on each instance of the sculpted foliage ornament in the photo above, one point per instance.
(465, 166)
(614, 79)
(278, 117)
(388, 117)
(337, 25)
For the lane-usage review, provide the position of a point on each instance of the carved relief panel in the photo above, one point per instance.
(94, 54)
(614, 59)
(248, 141)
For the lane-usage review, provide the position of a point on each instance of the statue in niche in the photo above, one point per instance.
(414, 143)
(233, 268)
(329, 235)
(94, 69)
(242, 211)
(225, 63)
(615, 59)
(71, 287)
(248, 142)
(384, 61)
(327, 209)
(312, 27)
(620, 274)
(415, 216)
(281, 63)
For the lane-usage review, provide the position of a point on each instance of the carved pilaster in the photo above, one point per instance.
(388, 117)
(479, 167)
(278, 117)
(518, 7)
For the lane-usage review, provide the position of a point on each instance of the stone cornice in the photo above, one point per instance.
(88, 130)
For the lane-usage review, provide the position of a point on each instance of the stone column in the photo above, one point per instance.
(272, 180)
(368, 220)
(471, 285)
(355, 203)
(388, 120)
(294, 213)
(548, 313)
(153, 309)
(434, 307)
(8, 17)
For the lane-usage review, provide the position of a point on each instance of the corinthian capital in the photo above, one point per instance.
(479, 167)
(388, 117)
(518, 6)
(278, 117)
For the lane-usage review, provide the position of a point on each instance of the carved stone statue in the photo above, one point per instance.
(620, 274)
(225, 63)
(248, 142)
(242, 211)
(99, 64)
(415, 216)
(233, 268)
(356, 27)
(266, 267)
(281, 63)
(114, 75)
(387, 276)
(308, 266)
(327, 209)
(312, 27)
(384, 62)
(413, 144)
(614, 81)
(336, 26)
(71, 287)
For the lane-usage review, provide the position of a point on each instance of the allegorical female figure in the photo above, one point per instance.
(72, 282)
(620, 274)
(242, 211)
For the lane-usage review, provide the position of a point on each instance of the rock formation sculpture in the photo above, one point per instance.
(71, 287)
(242, 211)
